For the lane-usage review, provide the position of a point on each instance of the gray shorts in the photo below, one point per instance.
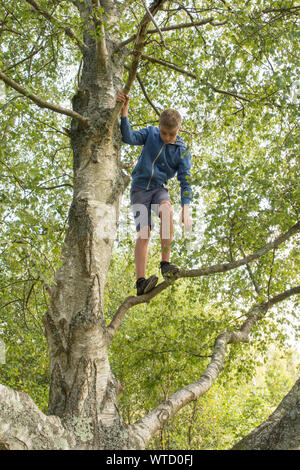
(145, 200)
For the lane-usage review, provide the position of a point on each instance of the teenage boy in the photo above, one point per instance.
(163, 155)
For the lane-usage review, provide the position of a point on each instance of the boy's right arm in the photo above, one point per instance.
(122, 98)
(129, 136)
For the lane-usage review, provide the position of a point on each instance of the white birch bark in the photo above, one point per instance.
(23, 426)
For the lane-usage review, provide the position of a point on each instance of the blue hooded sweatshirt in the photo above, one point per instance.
(158, 162)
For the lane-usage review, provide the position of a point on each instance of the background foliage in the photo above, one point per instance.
(238, 99)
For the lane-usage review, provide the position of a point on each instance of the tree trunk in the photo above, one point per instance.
(83, 390)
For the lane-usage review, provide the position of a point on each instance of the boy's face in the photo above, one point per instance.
(168, 134)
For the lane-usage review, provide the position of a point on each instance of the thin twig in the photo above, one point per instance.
(256, 286)
(169, 65)
(13, 66)
(172, 28)
(271, 274)
(146, 94)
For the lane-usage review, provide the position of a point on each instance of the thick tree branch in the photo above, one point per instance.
(248, 259)
(145, 428)
(40, 102)
(139, 42)
(57, 22)
(206, 271)
(137, 51)
(24, 427)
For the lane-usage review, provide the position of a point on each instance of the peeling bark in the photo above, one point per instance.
(23, 426)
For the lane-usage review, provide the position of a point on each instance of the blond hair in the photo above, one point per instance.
(170, 118)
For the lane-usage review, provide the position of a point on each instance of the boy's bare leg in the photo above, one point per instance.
(141, 251)
(166, 229)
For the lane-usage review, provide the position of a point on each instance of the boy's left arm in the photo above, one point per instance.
(183, 176)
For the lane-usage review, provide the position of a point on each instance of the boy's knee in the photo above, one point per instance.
(144, 234)
(165, 207)
(166, 218)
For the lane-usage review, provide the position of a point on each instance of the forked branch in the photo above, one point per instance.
(153, 21)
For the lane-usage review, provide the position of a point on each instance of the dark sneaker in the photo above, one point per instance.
(146, 285)
(168, 269)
